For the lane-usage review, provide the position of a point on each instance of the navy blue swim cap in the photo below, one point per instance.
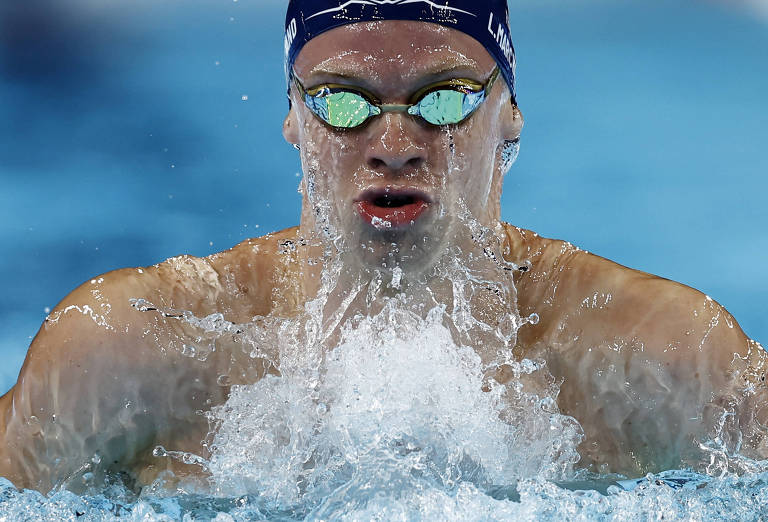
(487, 21)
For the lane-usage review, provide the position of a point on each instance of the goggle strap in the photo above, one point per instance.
(491, 81)
(454, 84)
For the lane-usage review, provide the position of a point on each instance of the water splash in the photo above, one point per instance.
(726, 499)
(396, 405)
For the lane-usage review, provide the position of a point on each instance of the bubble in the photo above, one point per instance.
(397, 274)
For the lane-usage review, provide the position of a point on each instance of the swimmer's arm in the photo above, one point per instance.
(705, 349)
(683, 362)
(100, 384)
(642, 358)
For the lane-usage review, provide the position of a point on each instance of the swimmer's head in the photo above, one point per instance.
(487, 22)
(402, 124)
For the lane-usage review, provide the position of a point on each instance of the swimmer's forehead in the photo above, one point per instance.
(373, 53)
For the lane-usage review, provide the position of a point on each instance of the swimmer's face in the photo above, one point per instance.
(397, 189)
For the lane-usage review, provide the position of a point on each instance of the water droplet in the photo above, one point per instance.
(397, 274)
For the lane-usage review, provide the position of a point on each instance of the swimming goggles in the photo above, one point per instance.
(443, 103)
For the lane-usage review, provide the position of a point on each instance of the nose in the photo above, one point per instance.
(393, 144)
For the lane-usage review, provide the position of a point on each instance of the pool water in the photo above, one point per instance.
(653, 499)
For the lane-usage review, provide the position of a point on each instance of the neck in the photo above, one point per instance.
(470, 280)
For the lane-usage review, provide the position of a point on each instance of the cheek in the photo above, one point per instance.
(475, 159)
(326, 156)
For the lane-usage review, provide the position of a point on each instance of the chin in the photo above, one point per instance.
(414, 249)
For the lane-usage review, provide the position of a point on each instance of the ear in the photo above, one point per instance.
(291, 127)
(512, 122)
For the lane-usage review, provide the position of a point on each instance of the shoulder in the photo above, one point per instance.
(632, 349)
(236, 283)
(578, 293)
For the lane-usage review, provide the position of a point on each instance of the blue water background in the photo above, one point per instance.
(136, 130)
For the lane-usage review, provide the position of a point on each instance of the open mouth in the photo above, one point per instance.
(388, 207)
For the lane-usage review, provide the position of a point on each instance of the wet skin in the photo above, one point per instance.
(646, 364)
(395, 152)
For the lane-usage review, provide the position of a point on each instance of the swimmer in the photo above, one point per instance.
(406, 120)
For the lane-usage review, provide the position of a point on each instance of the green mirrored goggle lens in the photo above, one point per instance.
(444, 107)
(341, 109)
(346, 109)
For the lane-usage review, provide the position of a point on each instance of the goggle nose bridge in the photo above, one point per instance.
(394, 107)
(413, 109)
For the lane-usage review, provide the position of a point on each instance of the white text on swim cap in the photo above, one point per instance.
(290, 34)
(501, 38)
